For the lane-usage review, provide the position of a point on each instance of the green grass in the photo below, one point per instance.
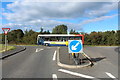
(28, 44)
(2, 48)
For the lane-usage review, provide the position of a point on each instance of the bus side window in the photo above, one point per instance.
(71, 38)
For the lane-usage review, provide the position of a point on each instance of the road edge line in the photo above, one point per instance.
(54, 56)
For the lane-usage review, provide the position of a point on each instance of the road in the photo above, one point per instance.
(40, 62)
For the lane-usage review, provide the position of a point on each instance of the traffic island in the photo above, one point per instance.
(66, 60)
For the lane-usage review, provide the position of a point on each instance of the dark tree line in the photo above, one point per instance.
(102, 38)
(20, 37)
(93, 38)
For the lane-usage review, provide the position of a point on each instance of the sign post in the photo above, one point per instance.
(6, 30)
(75, 47)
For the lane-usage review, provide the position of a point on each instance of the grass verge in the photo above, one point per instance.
(2, 48)
(25, 44)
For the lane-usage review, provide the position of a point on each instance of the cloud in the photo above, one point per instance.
(57, 10)
(63, 0)
(97, 19)
(64, 10)
(36, 24)
(46, 24)
(44, 14)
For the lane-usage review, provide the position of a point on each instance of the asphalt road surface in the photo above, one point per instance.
(40, 62)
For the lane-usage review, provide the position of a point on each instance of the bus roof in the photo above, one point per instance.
(60, 35)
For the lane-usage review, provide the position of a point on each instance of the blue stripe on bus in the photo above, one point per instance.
(53, 44)
(57, 45)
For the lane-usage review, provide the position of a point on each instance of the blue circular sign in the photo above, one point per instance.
(75, 46)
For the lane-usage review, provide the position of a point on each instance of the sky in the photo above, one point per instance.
(80, 16)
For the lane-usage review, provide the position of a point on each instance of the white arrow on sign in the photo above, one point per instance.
(74, 47)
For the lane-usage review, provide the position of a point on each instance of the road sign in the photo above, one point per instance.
(6, 30)
(75, 46)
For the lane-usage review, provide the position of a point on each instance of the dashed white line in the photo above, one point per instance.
(37, 50)
(54, 76)
(110, 75)
(74, 73)
(54, 56)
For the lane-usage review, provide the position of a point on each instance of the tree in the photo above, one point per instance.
(102, 38)
(60, 29)
(93, 38)
(41, 30)
(72, 31)
(0, 38)
(46, 32)
(15, 36)
(30, 37)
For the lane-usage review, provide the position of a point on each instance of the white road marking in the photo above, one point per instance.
(54, 76)
(74, 73)
(37, 50)
(110, 75)
(54, 56)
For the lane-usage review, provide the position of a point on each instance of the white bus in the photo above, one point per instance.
(57, 39)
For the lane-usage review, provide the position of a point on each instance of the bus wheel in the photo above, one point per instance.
(46, 44)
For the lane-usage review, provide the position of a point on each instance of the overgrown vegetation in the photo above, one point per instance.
(94, 38)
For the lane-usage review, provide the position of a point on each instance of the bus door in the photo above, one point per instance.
(41, 41)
